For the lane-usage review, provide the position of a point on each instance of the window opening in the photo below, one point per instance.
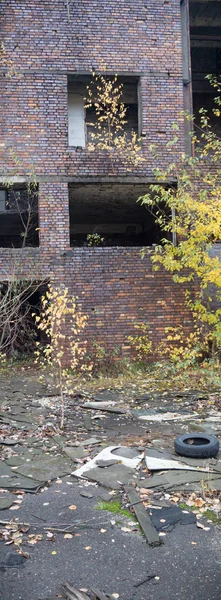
(79, 117)
(109, 215)
(19, 217)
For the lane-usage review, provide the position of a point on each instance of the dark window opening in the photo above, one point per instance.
(109, 215)
(81, 118)
(205, 44)
(20, 300)
(19, 217)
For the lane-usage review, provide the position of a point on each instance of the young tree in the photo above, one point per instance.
(104, 94)
(194, 225)
(56, 308)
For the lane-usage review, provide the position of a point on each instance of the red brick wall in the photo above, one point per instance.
(128, 37)
(116, 287)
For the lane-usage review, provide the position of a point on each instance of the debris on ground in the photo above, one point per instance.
(121, 456)
(71, 593)
(144, 520)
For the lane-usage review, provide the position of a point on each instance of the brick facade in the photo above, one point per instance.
(139, 38)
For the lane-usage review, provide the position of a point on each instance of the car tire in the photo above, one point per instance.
(197, 445)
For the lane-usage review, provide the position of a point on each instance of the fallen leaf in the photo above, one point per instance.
(115, 596)
(88, 548)
(126, 529)
(72, 507)
(68, 536)
(103, 530)
(54, 552)
(25, 554)
(77, 534)
(14, 507)
(199, 502)
(201, 526)
(194, 543)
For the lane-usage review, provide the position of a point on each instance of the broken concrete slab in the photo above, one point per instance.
(159, 417)
(9, 441)
(91, 441)
(165, 519)
(179, 480)
(86, 494)
(107, 454)
(6, 501)
(104, 406)
(160, 461)
(46, 468)
(127, 452)
(108, 395)
(112, 477)
(75, 452)
(17, 482)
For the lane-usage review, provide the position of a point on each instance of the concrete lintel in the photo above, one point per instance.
(119, 180)
(60, 179)
(78, 74)
(13, 179)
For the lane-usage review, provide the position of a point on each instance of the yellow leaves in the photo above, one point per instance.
(141, 343)
(109, 134)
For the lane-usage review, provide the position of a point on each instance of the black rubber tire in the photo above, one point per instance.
(205, 446)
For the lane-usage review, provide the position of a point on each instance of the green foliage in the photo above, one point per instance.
(192, 222)
(141, 342)
(114, 506)
(94, 239)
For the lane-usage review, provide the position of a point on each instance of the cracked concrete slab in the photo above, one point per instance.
(46, 468)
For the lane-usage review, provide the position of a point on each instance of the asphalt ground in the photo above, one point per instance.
(101, 554)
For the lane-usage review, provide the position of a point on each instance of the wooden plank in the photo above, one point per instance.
(100, 406)
(71, 593)
(144, 520)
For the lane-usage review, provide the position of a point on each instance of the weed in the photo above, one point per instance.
(207, 514)
(114, 506)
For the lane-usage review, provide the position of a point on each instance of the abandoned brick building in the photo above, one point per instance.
(161, 51)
